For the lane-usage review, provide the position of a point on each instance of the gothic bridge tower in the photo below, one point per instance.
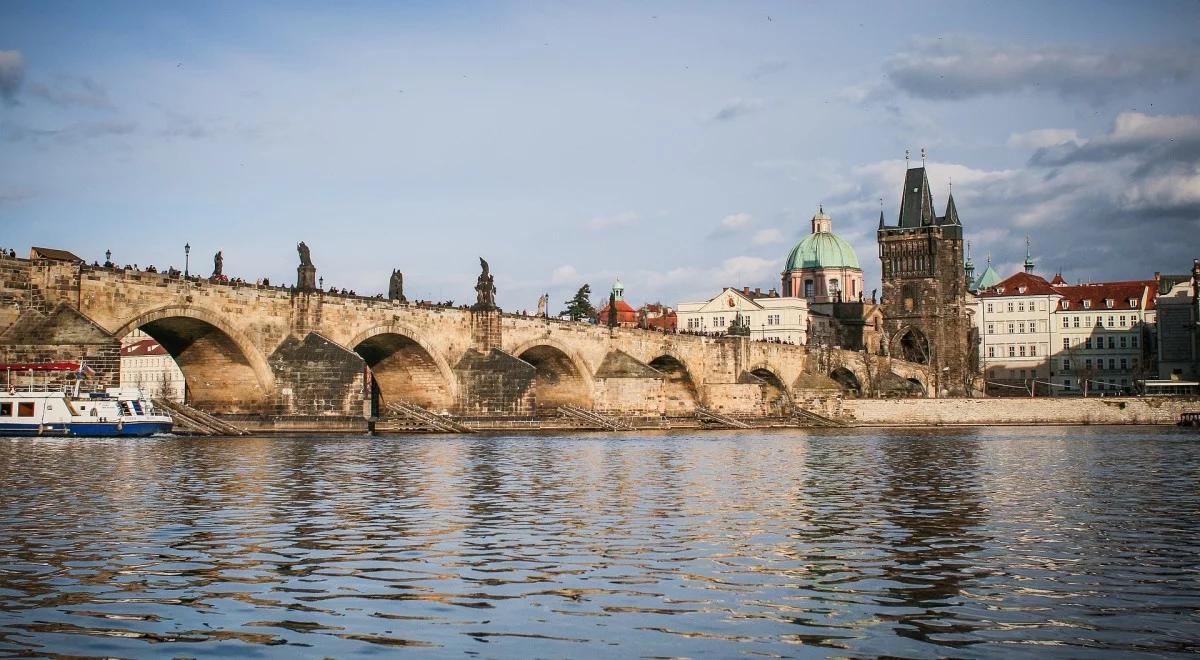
(925, 293)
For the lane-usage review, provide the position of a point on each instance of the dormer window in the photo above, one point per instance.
(1066, 304)
(1021, 289)
(1133, 302)
(1087, 304)
(999, 289)
(1108, 302)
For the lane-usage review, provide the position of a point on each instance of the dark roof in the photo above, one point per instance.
(143, 348)
(53, 254)
(951, 217)
(1034, 286)
(916, 204)
(1118, 292)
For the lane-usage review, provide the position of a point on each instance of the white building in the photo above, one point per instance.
(147, 365)
(767, 316)
(1178, 309)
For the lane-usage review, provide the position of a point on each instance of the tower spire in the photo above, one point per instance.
(922, 156)
(1028, 258)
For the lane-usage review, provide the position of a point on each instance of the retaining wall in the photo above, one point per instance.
(972, 412)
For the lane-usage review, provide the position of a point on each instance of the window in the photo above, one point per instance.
(1108, 302)
(1021, 289)
(1133, 302)
(1087, 343)
(1075, 321)
(1133, 341)
(1010, 307)
(1122, 321)
(1010, 328)
(1111, 342)
(1066, 343)
(1122, 341)
(808, 288)
(25, 409)
(1110, 322)
(1066, 304)
(1022, 350)
(1087, 304)
(1033, 350)
(1066, 364)
(1087, 363)
(1066, 322)
(1021, 327)
(1067, 383)
(1112, 364)
(1012, 352)
(991, 328)
(991, 353)
(5, 410)
(1124, 364)
(1021, 305)
(989, 308)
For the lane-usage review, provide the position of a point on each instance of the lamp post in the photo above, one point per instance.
(187, 252)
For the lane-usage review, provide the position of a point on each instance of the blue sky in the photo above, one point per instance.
(681, 147)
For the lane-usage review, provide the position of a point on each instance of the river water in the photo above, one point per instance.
(967, 543)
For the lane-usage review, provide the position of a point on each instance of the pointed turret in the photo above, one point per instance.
(951, 217)
(968, 265)
(881, 225)
(916, 203)
(1028, 258)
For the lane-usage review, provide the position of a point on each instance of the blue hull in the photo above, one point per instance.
(90, 429)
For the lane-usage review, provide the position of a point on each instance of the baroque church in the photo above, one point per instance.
(925, 304)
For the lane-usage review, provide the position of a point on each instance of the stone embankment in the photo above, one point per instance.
(989, 412)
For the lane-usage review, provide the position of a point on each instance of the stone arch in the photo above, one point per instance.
(775, 393)
(680, 394)
(916, 387)
(222, 369)
(406, 367)
(847, 379)
(562, 378)
(911, 345)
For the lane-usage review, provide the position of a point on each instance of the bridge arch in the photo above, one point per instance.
(406, 367)
(680, 394)
(562, 377)
(847, 379)
(775, 393)
(222, 369)
(911, 345)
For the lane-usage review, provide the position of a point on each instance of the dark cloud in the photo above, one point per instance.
(68, 91)
(960, 68)
(735, 108)
(1155, 140)
(12, 71)
(768, 68)
(71, 134)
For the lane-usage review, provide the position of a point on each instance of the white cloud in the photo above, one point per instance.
(1043, 137)
(564, 275)
(744, 270)
(736, 220)
(616, 220)
(767, 236)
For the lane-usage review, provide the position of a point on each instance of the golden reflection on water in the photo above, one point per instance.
(903, 543)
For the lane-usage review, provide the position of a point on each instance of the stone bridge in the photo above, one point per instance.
(245, 349)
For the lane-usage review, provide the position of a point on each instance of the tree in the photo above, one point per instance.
(580, 307)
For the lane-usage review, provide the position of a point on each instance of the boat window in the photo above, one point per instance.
(25, 409)
(5, 410)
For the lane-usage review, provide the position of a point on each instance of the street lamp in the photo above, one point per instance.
(187, 252)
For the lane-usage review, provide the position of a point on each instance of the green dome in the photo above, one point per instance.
(822, 250)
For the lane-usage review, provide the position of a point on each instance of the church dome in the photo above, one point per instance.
(822, 250)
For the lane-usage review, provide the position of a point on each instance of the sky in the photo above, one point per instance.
(681, 147)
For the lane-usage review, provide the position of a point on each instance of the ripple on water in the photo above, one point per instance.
(1076, 541)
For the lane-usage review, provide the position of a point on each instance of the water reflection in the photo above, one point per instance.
(963, 543)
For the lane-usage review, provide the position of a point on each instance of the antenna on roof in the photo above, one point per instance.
(922, 156)
(950, 184)
(906, 159)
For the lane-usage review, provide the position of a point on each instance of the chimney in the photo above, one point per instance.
(772, 293)
(745, 291)
(757, 291)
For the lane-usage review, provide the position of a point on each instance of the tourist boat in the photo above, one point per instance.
(1189, 419)
(30, 409)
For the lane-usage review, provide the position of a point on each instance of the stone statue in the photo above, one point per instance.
(306, 272)
(396, 287)
(218, 264)
(873, 295)
(543, 305)
(485, 290)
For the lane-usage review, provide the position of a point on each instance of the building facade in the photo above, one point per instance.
(1178, 306)
(627, 316)
(925, 300)
(761, 316)
(145, 364)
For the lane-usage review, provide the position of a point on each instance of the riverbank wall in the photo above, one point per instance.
(1016, 411)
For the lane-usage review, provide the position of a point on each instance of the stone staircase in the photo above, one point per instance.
(809, 418)
(422, 419)
(709, 416)
(594, 419)
(197, 422)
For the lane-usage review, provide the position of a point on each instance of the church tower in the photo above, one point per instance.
(925, 287)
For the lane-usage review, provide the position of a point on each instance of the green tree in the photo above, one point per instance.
(580, 307)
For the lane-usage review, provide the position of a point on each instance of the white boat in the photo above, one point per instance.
(114, 411)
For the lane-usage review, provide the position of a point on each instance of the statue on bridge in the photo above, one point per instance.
(218, 265)
(543, 305)
(396, 287)
(485, 290)
(306, 272)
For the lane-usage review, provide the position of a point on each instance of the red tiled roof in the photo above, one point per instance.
(664, 322)
(1034, 286)
(1119, 292)
(1058, 280)
(143, 348)
(625, 313)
